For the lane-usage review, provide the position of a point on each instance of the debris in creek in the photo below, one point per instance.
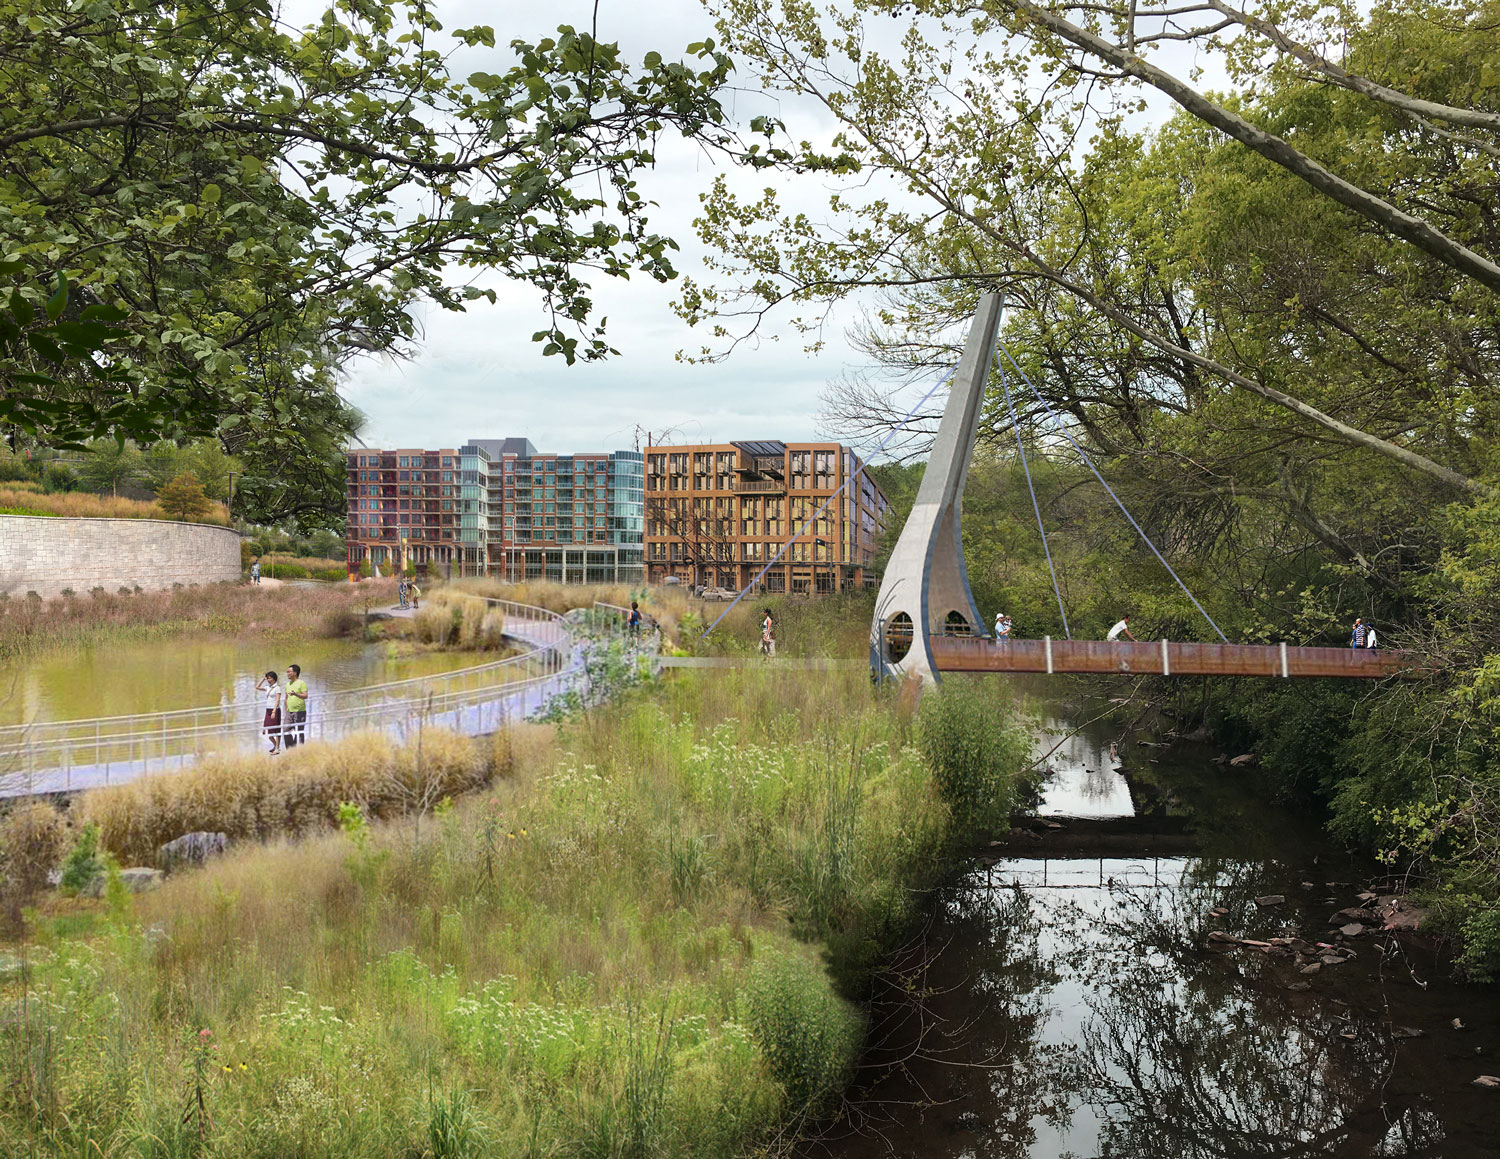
(1486, 1080)
(1244, 760)
(1407, 1032)
(1457, 1024)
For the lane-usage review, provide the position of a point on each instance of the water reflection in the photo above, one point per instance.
(160, 675)
(1084, 777)
(1098, 1024)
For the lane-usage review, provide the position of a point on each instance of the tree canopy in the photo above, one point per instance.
(254, 204)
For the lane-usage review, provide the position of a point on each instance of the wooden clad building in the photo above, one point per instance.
(717, 513)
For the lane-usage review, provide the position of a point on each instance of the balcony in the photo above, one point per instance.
(760, 487)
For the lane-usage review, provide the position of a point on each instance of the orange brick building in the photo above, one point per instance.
(717, 513)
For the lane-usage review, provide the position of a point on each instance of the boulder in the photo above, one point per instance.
(1351, 913)
(1244, 760)
(191, 849)
(1271, 899)
(1352, 930)
(138, 879)
(1487, 1080)
(1399, 914)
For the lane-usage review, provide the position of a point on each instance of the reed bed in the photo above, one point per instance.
(22, 500)
(28, 626)
(641, 940)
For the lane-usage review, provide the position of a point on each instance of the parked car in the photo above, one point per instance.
(725, 594)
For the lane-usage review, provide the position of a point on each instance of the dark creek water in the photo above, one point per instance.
(1064, 1001)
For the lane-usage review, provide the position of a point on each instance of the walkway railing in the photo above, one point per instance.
(59, 756)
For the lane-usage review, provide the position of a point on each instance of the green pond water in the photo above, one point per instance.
(160, 675)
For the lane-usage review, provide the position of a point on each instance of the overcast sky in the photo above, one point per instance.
(478, 374)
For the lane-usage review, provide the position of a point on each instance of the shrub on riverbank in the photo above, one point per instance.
(615, 951)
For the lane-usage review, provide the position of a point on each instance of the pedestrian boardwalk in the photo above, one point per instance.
(69, 756)
(1168, 658)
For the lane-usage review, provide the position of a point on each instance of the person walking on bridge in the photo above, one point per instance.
(1370, 636)
(1002, 627)
(1357, 637)
(1122, 628)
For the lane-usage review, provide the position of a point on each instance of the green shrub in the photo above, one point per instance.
(809, 1035)
(976, 753)
(84, 861)
(1480, 960)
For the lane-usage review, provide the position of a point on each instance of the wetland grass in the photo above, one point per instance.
(640, 940)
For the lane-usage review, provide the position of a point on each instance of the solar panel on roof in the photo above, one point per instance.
(763, 447)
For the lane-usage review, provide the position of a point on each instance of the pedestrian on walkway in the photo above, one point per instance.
(255, 572)
(634, 622)
(401, 592)
(1357, 637)
(271, 723)
(767, 635)
(295, 729)
(415, 593)
(1122, 628)
(1002, 627)
(1370, 636)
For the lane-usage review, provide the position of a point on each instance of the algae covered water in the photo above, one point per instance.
(183, 672)
(1066, 999)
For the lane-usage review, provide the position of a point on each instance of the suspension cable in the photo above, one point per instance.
(814, 516)
(1058, 423)
(1021, 446)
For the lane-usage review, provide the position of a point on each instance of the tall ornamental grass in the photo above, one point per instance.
(99, 617)
(80, 504)
(641, 940)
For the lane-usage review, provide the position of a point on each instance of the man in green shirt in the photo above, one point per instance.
(296, 707)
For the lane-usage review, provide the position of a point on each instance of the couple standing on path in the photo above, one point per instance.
(407, 592)
(291, 723)
(1363, 635)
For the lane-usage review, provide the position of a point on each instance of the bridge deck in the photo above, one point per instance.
(1165, 658)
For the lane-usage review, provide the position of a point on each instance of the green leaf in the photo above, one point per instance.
(59, 301)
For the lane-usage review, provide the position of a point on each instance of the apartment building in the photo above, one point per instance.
(576, 518)
(499, 507)
(404, 500)
(717, 514)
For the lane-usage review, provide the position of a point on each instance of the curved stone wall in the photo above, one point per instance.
(47, 555)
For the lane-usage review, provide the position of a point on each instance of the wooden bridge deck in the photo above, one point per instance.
(1166, 658)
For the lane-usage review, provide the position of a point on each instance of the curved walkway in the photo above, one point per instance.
(68, 756)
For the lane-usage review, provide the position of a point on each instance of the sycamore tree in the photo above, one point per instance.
(254, 204)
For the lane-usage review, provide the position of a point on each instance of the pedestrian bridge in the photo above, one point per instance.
(1162, 658)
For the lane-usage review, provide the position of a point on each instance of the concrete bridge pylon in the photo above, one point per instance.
(925, 590)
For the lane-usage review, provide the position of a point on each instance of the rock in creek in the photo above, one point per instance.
(1271, 899)
(1400, 914)
(1352, 930)
(1487, 1080)
(1244, 760)
(1407, 1032)
(1352, 913)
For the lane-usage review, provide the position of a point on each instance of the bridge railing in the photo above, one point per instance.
(1166, 658)
(127, 745)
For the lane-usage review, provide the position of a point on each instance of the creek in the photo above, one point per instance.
(189, 672)
(1064, 1001)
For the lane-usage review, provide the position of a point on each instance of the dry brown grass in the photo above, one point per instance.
(31, 626)
(82, 505)
(259, 797)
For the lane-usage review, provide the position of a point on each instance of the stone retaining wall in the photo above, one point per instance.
(47, 555)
